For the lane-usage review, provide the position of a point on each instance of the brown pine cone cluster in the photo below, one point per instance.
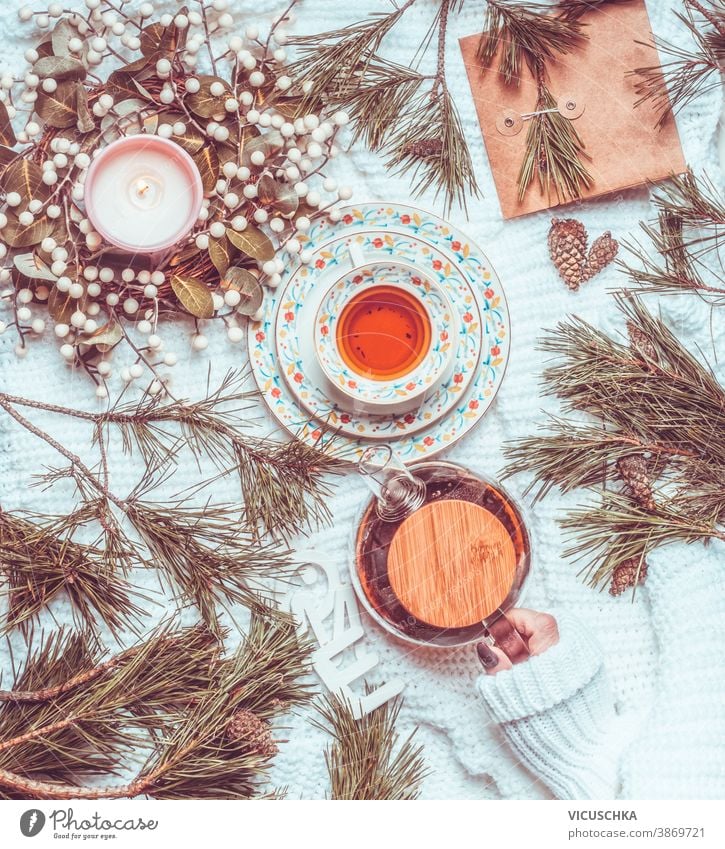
(628, 574)
(634, 472)
(424, 148)
(641, 344)
(568, 240)
(246, 727)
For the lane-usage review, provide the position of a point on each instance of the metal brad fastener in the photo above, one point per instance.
(510, 123)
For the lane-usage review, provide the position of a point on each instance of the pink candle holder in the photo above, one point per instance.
(143, 193)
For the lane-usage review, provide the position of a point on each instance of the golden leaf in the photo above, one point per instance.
(104, 338)
(30, 265)
(58, 109)
(84, 122)
(220, 251)
(25, 178)
(18, 235)
(7, 155)
(157, 39)
(207, 161)
(7, 133)
(269, 143)
(61, 306)
(60, 68)
(244, 282)
(252, 242)
(205, 104)
(280, 196)
(193, 295)
(61, 37)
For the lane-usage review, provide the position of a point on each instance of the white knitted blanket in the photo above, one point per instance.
(464, 753)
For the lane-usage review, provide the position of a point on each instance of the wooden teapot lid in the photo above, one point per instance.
(451, 563)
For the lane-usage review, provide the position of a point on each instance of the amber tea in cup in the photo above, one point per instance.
(383, 332)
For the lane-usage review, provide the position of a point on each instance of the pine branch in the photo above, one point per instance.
(554, 151)
(656, 431)
(93, 718)
(374, 100)
(699, 206)
(417, 126)
(329, 61)
(580, 455)
(678, 273)
(690, 72)
(575, 9)
(207, 556)
(40, 561)
(177, 690)
(690, 227)
(525, 33)
(281, 483)
(429, 142)
(365, 760)
(617, 529)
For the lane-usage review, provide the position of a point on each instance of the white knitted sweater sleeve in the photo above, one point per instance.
(557, 714)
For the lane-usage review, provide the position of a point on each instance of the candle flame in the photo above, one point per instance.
(141, 188)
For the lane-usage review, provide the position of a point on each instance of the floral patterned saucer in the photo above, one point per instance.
(295, 349)
(394, 394)
(463, 257)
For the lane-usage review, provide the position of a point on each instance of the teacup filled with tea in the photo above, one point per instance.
(385, 336)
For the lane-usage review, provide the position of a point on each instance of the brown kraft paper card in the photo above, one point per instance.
(625, 146)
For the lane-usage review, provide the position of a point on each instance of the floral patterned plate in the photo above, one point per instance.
(464, 256)
(296, 356)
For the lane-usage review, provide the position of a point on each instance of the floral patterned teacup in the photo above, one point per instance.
(356, 358)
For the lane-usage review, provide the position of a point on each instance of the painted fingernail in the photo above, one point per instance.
(487, 655)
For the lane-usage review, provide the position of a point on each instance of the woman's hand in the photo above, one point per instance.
(538, 629)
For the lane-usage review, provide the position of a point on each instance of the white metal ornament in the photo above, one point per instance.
(327, 609)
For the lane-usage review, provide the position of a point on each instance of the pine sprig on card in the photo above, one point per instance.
(553, 154)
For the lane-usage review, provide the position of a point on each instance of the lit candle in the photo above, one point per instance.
(143, 193)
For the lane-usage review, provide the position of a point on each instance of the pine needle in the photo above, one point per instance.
(690, 72)
(394, 108)
(574, 9)
(524, 33)
(206, 555)
(365, 760)
(172, 693)
(553, 154)
(40, 562)
(647, 398)
(688, 231)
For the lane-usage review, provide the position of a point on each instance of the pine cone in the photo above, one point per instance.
(247, 727)
(424, 148)
(628, 574)
(601, 254)
(635, 474)
(641, 344)
(568, 249)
